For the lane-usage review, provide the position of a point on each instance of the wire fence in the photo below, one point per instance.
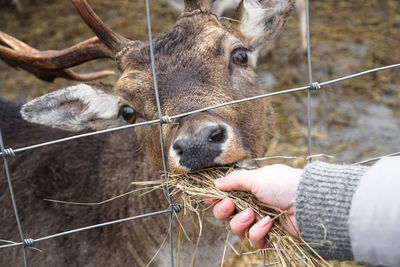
(166, 119)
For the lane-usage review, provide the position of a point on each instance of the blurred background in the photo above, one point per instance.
(351, 120)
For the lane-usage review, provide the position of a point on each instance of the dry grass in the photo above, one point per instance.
(193, 187)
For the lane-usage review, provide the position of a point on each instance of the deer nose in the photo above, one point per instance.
(201, 150)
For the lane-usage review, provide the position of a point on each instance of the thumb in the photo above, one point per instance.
(237, 180)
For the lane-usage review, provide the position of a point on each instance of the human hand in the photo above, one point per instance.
(274, 185)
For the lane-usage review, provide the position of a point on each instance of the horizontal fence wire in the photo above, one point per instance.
(314, 86)
(33, 241)
(377, 158)
(280, 263)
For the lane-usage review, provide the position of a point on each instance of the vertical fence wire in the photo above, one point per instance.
(161, 129)
(310, 77)
(13, 201)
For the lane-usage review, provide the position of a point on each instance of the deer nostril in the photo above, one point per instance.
(218, 135)
(178, 147)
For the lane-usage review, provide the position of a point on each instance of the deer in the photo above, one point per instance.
(202, 61)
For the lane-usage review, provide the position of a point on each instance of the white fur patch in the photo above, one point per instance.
(98, 103)
(174, 159)
(254, 18)
(74, 108)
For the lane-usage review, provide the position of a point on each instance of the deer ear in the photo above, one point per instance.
(76, 108)
(262, 20)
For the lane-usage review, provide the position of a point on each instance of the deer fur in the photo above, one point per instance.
(86, 170)
(194, 70)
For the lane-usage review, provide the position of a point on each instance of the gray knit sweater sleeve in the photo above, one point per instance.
(322, 207)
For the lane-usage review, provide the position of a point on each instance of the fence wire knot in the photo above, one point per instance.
(315, 86)
(29, 242)
(9, 153)
(165, 120)
(177, 208)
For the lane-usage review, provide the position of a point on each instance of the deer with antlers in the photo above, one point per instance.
(201, 62)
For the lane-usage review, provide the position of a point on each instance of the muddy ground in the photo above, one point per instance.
(351, 120)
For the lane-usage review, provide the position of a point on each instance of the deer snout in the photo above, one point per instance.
(200, 150)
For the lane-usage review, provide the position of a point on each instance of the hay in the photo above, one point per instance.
(193, 187)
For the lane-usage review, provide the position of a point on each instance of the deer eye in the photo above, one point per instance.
(239, 57)
(128, 113)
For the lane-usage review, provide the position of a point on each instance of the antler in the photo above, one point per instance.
(112, 40)
(191, 5)
(51, 64)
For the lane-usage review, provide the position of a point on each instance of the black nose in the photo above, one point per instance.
(199, 151)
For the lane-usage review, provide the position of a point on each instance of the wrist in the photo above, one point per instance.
(322, 207)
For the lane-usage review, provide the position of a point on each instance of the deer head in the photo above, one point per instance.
(201, 62)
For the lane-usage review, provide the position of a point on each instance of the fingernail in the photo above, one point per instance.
(218, 182)
(245, 216)
(224, 207)
(265, 221)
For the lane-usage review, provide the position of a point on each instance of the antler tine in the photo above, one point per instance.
(204, 5)
(15, 43)
(112, 40)
(48, 65)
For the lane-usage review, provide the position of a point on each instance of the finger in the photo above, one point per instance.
(224, 209)
(258, 232)
(242, 221)
(236, 180)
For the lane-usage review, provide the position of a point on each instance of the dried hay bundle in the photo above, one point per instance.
(193, 187)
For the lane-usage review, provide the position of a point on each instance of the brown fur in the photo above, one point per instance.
(198, 48)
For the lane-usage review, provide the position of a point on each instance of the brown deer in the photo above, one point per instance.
(201, 62)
